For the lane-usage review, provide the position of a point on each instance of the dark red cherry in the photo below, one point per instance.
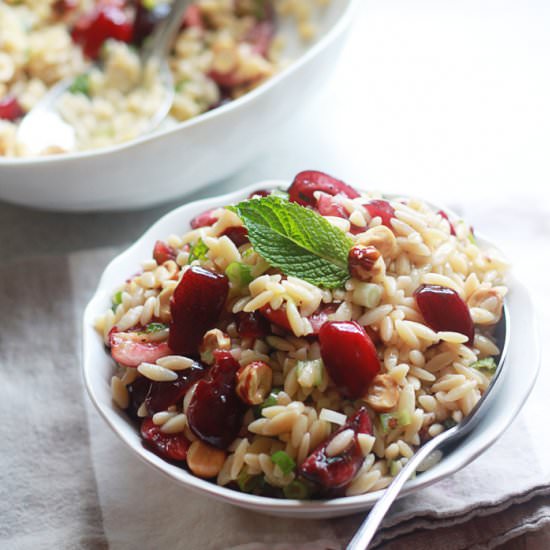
(196, 306)
(10, 108)
(106, 20)
(383, 209)
(239, 235)
(337, 471)
(137, 392)
(306, 183)
(276, 316)
(170, 446)
(259, 193)
(327, 206)
(349, 356)
(443, 309)
(164, 394)
(206, 219)
(252, 325)
(146, 18)
(215, 413)
(162, 252)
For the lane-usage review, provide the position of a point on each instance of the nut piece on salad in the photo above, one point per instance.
(299, 343)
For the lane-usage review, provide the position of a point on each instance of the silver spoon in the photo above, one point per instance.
(43, 127)
(368, 528)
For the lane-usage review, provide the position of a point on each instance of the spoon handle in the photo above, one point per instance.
(158, 44)
(368, 528)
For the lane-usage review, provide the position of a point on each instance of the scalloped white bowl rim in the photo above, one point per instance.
(524, 345)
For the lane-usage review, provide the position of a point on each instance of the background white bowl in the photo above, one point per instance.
(512, 388)
(205, 149)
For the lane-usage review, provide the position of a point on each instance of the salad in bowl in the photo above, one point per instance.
(302, 343)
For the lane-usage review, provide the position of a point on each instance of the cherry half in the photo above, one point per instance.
(215, 412)
(349, 356)
(337, 471)
(306, 183)
(444, 310)
(196, 306)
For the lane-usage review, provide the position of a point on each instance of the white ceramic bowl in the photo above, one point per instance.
(207, 148)
(512, 388)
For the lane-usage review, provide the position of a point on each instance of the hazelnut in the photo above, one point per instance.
(362, 261)
(204, 460)
(383, 393)
(254, 382)
(212, 340)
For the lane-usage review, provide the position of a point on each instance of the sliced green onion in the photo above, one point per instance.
(80, 85)
(181, 84)
(239, 274)
(284, 461)
(279, 192)
(471, 238)
(367, 295)
(248, 483)
(270, 401)
(488, 363)
(297, 489)
(198, 252)
(155, 327)
(117, 298)
(310, 373)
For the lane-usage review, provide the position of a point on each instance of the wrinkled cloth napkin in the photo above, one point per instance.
(66, 481)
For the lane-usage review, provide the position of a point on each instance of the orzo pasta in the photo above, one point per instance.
(303, 343)
(224, 49)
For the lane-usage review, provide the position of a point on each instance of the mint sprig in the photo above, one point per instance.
(296, 240)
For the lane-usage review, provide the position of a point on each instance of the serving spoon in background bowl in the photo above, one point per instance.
(43, 127)
(368, 528)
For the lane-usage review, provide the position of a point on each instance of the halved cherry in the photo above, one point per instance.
(320, 317)
(252, 325)
(162, 252)
(215, 413)
(195, 306)
(170, 446)
(331, 472)
(146, 17)
(164, 394)
(349, 356)
(259, 193)
(10, 108)
(276, 316)
(132, 348)
(205, 219)
(108, 19)
(239, 235)
(383, 209)
(444, 310)
(306, 183)
(327, 206)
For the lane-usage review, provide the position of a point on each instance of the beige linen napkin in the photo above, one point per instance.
(66, 481)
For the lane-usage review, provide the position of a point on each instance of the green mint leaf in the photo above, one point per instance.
(488, 363)
(296, 240)
(198, 252)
